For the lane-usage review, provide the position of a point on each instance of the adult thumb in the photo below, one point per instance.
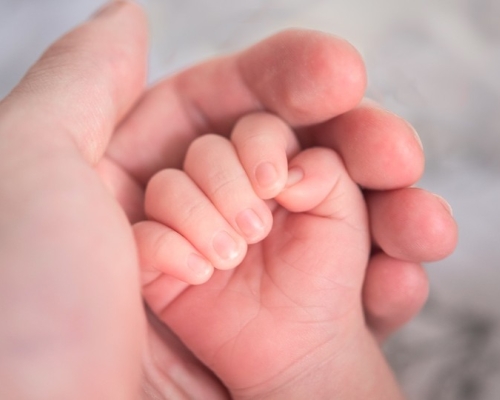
(84, 83)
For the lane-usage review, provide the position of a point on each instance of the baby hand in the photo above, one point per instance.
(294, 300)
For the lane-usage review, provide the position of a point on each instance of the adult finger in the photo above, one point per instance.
(380, 150)
(412, 224)
(393, 293)
(305, 77)
(85, 82)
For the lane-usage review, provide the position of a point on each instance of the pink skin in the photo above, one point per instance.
(294, 301)
(81, 118)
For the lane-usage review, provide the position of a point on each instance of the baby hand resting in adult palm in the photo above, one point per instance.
(254, 255)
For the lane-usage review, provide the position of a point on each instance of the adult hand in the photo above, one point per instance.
(73, 323)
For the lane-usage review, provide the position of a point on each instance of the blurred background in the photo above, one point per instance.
(434, 62)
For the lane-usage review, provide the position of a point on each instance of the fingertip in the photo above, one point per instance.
(112, 7)
(264, 143)
(319, 184)
(201, 269)
(174, 200)
(310, 76)
(229, 248)
(267, 181)
(295, 175)
(412, 224)
(393, 293)
(252, 226)
(162, 251)
(308, 182)
(380, 149)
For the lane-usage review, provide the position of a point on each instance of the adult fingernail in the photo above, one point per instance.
(266, 174)
(445, 204)
(225, 246)
(415, 133)
(250, 224)
(295, 175)
(110, 8)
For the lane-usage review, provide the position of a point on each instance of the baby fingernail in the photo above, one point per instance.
(225, 246)
(199, 265)
(250, 224)
(295, 175)
(266, 174)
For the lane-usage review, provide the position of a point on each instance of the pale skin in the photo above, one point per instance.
(81, 126)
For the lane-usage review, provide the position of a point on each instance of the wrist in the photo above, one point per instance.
(360, 371)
